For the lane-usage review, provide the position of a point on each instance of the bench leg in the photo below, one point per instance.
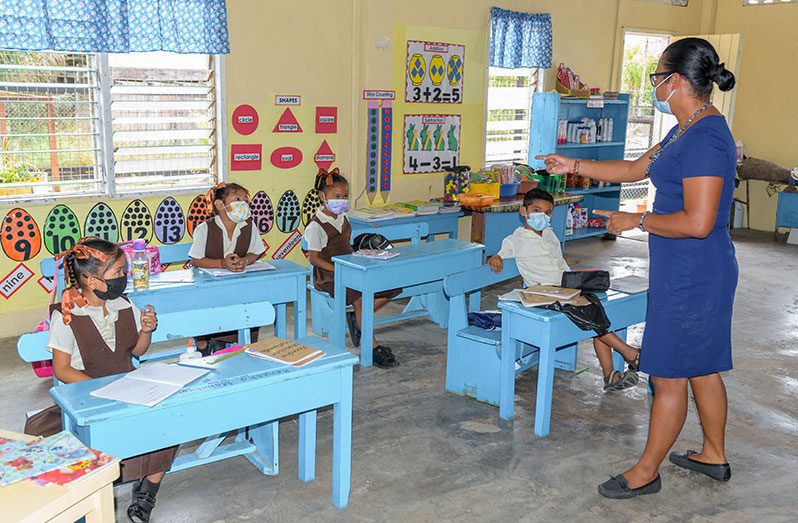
(544, 391)
(507, 370)
(307, 445)
(264, 437)
(342, 442)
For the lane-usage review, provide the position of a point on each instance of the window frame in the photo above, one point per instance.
(107, 182)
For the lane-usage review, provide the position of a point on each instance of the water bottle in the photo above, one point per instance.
(140, 262)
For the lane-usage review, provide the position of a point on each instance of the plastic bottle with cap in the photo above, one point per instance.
(140, 265)
(191, 354)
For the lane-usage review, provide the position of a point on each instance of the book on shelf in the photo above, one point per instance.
(284, 351)
(150, 384)
(370, 214)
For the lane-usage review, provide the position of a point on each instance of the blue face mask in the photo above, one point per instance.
(663, 106)
(538, 220)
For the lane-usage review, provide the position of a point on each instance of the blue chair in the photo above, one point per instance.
(473, 354)
(434, 305)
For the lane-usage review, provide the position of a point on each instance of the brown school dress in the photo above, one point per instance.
(214, 249)
(338, 245)
(101, 361)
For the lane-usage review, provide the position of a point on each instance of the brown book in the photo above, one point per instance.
(284, 351)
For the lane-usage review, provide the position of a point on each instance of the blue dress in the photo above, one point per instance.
(692, 281)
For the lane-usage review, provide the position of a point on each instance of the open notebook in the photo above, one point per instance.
(150, 384)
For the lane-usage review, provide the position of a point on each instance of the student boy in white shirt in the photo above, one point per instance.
(536, 250)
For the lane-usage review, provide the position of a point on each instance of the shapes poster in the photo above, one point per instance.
(435, 72)
(431, 142)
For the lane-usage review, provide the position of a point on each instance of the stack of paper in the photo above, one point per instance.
(25, 459)
(284, 351)
(370, 214)
(74, 472)
(399, 210)
(376, 253)
(150, 384)
(552, 291)
(253, 267)
(529, 299)
(449, 207)
(421, 207)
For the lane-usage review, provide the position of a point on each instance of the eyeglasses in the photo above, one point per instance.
(653, 77)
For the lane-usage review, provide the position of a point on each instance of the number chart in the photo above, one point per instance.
(431, 142)
(435, 72)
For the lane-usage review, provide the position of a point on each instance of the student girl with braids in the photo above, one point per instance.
(94, 332)
(228, 240)
(329, 234)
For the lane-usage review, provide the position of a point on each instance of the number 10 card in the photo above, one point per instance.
(434, 72)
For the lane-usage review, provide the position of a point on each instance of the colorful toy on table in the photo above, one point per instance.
(455, 181)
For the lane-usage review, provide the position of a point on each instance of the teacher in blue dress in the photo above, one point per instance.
(693, 269)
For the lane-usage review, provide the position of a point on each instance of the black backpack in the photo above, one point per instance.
(371, 241)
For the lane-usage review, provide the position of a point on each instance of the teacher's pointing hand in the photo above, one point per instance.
(557, 163)
(618, 222)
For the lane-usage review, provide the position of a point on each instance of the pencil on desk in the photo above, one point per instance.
(226, 356)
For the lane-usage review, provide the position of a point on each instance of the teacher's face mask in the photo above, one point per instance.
(663, 106)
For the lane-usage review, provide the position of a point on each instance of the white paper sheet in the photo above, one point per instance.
(629, 284)
(255, 267)
(150, 384)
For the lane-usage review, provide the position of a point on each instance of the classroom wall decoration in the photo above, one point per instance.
(286, 157)
(245, 157)
(61, 229)
(262, 212)
(288, 211)
(199, 210)
(431, 142)
(101, 222)
(136, 222)
(372, 136)
(326, 120)
(14, 280)
(245, 119)
(386, 142)
(288, 245)
(435, 72)
(21, 239)
(310, 205)
(324, 156)
(170, 224)
(287, 123)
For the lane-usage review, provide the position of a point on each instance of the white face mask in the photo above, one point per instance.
(238, 211)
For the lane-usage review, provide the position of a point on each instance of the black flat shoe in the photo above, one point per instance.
(384, 358)
(716, 471)
(618, 488)
(354, 330)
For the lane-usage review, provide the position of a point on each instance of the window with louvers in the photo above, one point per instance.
(163, 113)
(509, 105)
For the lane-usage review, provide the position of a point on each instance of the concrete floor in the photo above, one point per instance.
(421, 454)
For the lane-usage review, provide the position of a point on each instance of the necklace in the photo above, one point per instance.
(676, 135)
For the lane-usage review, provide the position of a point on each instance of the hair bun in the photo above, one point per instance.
(723, 77)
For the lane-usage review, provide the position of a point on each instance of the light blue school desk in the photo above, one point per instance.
(552, 331)
(243, 392)
(286, 284)
(418, 270)
(445, 223)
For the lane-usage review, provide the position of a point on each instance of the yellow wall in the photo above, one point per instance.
(766, 91)
(326, 51)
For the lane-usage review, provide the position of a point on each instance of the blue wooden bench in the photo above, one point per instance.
(473, 353)
(178, 325)
(432, 303)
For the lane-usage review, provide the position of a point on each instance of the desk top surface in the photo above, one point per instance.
(197, 278)
(609, 298)
(239, 373)
(407, 219)
(408, 254)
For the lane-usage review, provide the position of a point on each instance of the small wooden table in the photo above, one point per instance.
(91, 497)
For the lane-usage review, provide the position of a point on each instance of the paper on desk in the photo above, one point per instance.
(629, 284)
(181, 276)
(513, 295)
(254, 267)
(150, 384)
(377, 254)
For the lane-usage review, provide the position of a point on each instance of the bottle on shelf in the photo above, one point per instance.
(140, 262)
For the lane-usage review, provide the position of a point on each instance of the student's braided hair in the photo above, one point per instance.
(325, 179)
(89, 257)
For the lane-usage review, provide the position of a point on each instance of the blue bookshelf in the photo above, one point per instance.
(547, 110)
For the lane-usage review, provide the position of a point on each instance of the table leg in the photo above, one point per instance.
(337, 331)
(507, 370)
(342, 441)
(545, 390)
(280, 323)
(367, 329)
(617, 359)
(307, 445)
(300, 310)
(103, 506)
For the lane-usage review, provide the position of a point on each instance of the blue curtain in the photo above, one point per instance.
(115, 26)
(519, 39)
